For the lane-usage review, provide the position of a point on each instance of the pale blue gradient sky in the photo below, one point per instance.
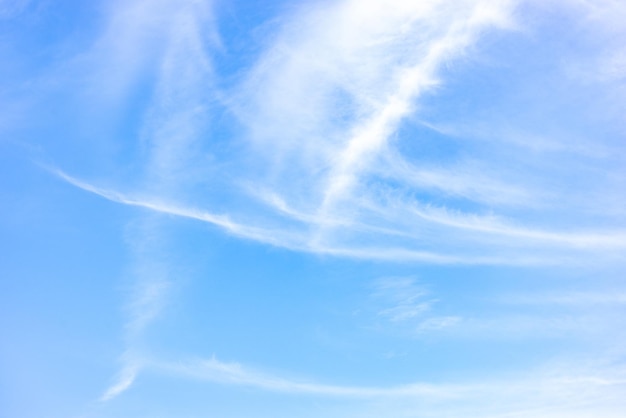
(341, 209)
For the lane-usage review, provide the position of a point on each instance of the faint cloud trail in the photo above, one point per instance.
(542, 392)
(125, 379)
(236, 374)
(167, 39)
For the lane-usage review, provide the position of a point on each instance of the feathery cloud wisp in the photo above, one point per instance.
(320, 167)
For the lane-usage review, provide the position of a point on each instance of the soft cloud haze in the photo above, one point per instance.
(409, 208)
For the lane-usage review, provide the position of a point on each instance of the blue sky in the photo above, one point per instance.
(341, 209)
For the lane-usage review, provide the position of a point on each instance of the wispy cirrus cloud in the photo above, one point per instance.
(405, 304)
(167, 43)
(327, 154)
(558, 390)
(237, 374)
(125, 378)
(454, 141)
(318, 166)
(406, 299)
(295, 240)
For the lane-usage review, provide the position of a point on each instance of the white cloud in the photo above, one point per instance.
(402, 299)
(236, 374)
(318, 167)
(296, 240)
(124, 381)
(558, 390)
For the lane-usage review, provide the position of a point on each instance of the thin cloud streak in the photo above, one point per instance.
(235, 374)
(546, 392)
(124, 381)
(298, 242)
